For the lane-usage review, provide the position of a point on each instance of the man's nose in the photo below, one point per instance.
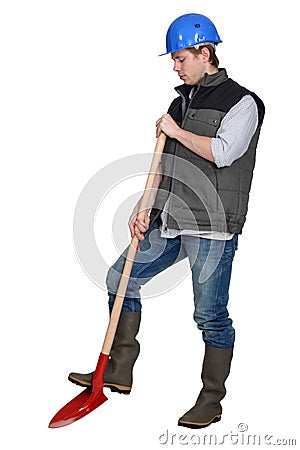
(176, 66)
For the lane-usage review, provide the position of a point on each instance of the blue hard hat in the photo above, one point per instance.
(190, 30)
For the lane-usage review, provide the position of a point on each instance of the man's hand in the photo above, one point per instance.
(197, 144)
(138, 227)
(167, 125)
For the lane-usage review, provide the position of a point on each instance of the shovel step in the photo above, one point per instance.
(114, 387)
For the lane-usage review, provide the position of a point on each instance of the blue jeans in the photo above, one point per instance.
(210, 262)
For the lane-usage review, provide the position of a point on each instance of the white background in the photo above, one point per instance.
(82, 86)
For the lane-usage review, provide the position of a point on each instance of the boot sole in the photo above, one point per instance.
(118, 388)
(195, 425)
(113, 387)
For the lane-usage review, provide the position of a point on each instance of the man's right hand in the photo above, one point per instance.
(138, 227)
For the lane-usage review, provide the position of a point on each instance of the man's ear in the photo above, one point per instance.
(204, 54)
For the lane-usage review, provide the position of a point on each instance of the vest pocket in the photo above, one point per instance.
(195, 186)
(204, 122)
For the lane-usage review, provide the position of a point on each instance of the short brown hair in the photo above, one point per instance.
(212, 54)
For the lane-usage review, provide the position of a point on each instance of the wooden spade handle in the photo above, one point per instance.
(116, 311)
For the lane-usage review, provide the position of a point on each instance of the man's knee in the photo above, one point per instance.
(112, 280)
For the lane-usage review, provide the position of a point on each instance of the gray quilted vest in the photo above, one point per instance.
(202, 196)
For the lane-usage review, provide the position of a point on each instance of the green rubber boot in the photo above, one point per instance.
(123, 354)
(215, 370)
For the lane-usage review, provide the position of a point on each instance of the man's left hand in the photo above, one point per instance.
(167, 125)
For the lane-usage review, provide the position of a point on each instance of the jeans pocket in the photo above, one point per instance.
(236, 241)
(230, 248)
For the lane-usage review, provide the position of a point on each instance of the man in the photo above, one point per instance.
(199, 208)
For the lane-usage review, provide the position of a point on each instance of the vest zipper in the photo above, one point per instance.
(184, 110)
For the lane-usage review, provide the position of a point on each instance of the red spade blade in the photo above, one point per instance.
(85, 402)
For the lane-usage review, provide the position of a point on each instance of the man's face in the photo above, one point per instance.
(190, 67)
